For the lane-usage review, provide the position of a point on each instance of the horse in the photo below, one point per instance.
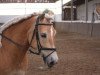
(34, 32)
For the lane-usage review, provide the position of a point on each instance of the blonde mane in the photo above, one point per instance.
(20, 18)
(12, 22)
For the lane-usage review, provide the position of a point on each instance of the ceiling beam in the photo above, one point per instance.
(28, 1)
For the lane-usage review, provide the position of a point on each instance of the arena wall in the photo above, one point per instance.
(89, 29)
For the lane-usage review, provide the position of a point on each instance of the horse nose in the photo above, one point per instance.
(51, 64)
(51, 60)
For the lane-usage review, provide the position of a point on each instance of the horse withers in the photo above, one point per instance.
(28, 33)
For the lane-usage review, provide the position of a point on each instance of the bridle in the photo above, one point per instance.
(39, 46)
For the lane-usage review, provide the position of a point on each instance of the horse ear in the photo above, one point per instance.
(42, 16)
(49, 17)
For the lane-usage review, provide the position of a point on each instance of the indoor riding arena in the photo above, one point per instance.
(77, 39)
(79, 54)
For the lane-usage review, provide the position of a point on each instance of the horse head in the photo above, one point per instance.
(23, 33)
(42, 37)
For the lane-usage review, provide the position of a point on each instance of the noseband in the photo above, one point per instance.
(39, 46)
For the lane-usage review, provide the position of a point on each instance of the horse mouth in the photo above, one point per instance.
(51, 64)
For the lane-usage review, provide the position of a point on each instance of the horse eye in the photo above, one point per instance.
(44, 35)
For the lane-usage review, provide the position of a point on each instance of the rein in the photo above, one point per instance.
(39, 46)
(10, 40)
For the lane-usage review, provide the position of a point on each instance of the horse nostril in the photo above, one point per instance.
(51, 64)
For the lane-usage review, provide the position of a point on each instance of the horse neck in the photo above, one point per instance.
(18, 33)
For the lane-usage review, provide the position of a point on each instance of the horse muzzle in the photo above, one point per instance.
(51, 60)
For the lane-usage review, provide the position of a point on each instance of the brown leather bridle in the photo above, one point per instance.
(39, 46)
